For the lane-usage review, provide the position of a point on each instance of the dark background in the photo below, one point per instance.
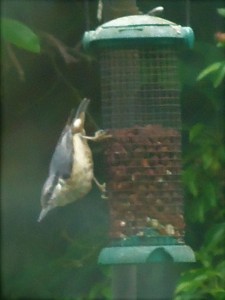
(58, 258)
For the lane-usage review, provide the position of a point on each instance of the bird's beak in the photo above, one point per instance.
(43, 213)
(80, 114)
(82, 108)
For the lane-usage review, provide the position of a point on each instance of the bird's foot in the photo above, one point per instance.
(99, 136)
(102, 135)
(102, 188)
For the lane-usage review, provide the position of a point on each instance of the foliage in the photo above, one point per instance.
(204, 170)
(20, 35)
(216, 69)
(221, 11)
(58, 259)
(71, 272)
(204, 179)
(206, 281)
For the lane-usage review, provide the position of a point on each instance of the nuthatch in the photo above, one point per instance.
(71, 169)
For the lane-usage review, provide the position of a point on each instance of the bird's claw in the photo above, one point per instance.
(102, 135)
(104, 197)
(102, 188)
(99, 136)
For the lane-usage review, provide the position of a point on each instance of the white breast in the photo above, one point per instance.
(83, 166)
(82, 173)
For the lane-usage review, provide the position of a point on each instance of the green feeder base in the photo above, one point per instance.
(146, 249)
(146, 254)
(146, 271)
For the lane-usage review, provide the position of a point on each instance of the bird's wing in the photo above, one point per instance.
(62, 159)
(47, 189)
(60, 166)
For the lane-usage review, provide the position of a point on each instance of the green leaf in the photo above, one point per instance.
(210, 69)
(193, 187)
(200, 211)
(221, 269)
(220, 44)
(195, 131)
(221, 11)
(20, 35)
(220, 75)
(215, 236)
(210, 194)
(192, 280)
(207, 159)
(189, 177)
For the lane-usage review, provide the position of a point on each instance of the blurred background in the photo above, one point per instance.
(57, 259)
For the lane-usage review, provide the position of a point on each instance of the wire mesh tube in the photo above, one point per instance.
(140, 87)
(140, 106)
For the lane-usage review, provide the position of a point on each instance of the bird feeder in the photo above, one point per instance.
(140, 94)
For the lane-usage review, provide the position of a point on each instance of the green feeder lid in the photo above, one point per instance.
(146, 254)
(138, 30)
